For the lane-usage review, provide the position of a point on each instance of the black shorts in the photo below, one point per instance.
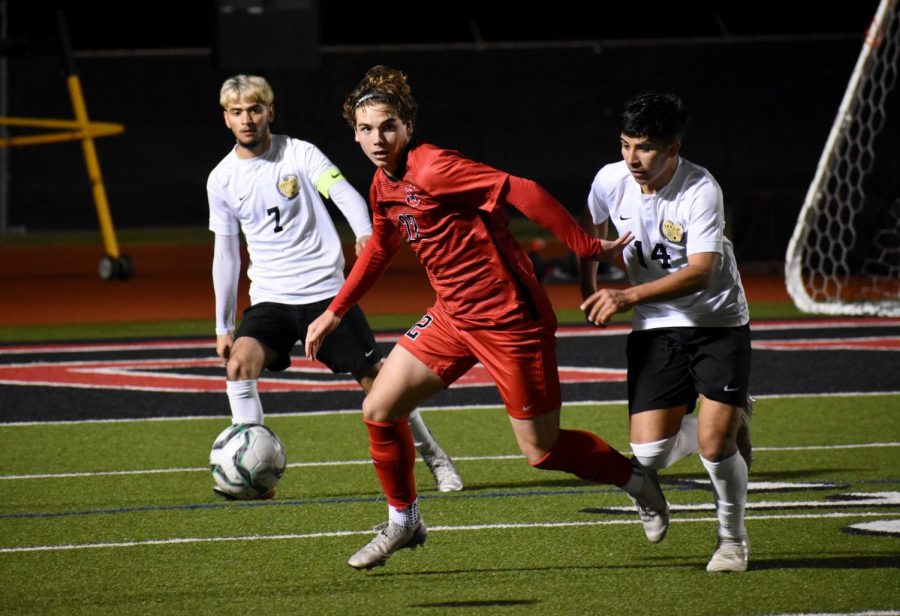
(671, 366)
(349, 348)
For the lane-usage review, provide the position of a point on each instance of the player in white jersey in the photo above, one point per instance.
(691, 335)
(268, 187)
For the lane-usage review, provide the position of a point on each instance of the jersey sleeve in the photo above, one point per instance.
(352, 206)
(597, 200)
(221, 218)
(540, 206)
(331, 184)
(707, 219)
(226, 270)
(380, 250)
(321, 172)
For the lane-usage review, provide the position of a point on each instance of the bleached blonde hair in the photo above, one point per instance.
(250, 88)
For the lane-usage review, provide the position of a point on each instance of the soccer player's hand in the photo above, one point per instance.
(615, 246)
(600, 307)
(326, 323)
(224, 343)
(361, 243)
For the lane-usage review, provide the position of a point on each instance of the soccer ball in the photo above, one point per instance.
(247, 461)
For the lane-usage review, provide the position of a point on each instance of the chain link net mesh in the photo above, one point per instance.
(845, 253)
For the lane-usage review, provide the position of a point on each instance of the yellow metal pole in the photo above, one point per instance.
(75, 131)
(114, 259)
(93, 169)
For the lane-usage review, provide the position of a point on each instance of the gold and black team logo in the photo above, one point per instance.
(289, 186)
(672, 231)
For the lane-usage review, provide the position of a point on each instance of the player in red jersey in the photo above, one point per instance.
(490, 308)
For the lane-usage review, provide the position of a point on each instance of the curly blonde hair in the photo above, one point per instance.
(382, 85)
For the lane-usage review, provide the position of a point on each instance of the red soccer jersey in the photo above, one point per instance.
(452, 213)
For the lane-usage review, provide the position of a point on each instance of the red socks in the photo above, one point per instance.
(394, 455)
(586, 456)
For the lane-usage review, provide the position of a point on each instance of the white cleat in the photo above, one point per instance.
(731, 556)
(651, 504)
(445, 475)
(390, 538)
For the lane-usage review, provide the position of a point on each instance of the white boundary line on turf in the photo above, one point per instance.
(615, 329)
(866, 613)
(475, 527)
(427, 409)
(195, 469)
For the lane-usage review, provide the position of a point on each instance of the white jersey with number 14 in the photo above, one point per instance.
(684, 217)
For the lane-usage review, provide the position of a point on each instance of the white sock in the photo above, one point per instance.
(729, 481)
(423, 439)
(666, 452)
(244, 401)
(408, 517)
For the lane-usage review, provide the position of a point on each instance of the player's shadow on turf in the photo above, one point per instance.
(678, 563)
(562, 482)
(794, 475)
(890, 561)
(674, 562)
(477, 604)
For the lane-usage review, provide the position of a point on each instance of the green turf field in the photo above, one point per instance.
(119, 518)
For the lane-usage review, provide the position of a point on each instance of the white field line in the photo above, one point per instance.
(477, 527)
(617, 329)
(155, 471)
(426, 409)
(865, 613)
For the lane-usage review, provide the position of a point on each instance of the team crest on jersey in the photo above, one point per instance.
(411, 197)
(672, 231)
(289, 186)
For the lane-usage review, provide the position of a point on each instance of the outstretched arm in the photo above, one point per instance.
(378, 253)
(226, 270)
(602, 305)
(540, 206)
(353, 207)
(589, 266)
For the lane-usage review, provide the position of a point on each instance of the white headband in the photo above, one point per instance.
(364, 98)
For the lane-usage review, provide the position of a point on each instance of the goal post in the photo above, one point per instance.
(843, 257)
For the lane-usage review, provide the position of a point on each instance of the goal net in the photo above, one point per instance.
(844, 254)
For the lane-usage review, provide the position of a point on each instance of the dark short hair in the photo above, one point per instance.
(657, 116)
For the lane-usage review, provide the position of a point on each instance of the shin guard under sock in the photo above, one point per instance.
(393, 454)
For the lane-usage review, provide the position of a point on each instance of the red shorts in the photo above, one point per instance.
(522, 360)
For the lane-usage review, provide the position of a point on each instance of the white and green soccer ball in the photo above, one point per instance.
(247, 462)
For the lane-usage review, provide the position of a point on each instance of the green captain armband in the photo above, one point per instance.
(328, 179)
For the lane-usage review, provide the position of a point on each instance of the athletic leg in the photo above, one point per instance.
(661, 437)
(245, 365)
(439, 463)
(523, 365)
(589, 457)
(718, 427)
(403, 382)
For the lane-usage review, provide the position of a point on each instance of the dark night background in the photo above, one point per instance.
(98, 25)
(536, 93)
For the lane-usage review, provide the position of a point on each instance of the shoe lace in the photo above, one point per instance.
(646, 513)
(730, 547)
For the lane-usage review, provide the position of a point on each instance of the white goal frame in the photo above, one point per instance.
(819, 282)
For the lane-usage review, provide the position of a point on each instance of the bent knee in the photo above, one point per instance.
(718, 450)
(373, 411)
(239, 368)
